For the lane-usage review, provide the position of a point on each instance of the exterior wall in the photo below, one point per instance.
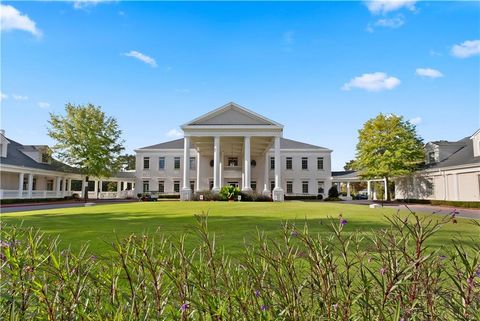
(454, 184)
(153, 175)
(9, 180)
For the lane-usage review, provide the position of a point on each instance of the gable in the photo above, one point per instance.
(232, 114)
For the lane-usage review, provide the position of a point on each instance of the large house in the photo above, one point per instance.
(452, 172)
(235, 146)
(29, 172)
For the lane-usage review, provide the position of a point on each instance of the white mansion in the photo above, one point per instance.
(232, 145)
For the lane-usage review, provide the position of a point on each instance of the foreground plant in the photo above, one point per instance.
(297, 275)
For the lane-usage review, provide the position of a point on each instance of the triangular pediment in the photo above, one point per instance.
(234, 115)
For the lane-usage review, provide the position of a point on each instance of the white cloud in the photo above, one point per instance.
(174, 133)
(182, 90)
(3, 96)
(466, 49)
(374, 82)
(19, 97)
(43, 104)
(85, 4)
(434, 53)
(142, 57)
(396, 22)
(428, 72)
(386, 6)
(288, 37)
(12, 19)
(415, 121)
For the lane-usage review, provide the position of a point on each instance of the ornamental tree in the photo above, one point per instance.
(388, 146)
(87, 139)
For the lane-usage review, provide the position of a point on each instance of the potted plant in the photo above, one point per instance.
(229, 193)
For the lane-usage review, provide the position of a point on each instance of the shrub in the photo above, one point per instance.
(254, 197)
(207, 196)
(301, 197)
(229, 192)
(333, 192)
(390, 275)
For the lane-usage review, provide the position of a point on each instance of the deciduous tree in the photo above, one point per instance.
(388, 146)
(87, 139)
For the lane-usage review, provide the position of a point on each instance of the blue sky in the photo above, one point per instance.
(320, 68)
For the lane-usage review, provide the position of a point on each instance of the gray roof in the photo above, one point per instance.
(462, 156)
(345, 174)
(173, 144)
(16, 158)
(126, 174)
(284, 144)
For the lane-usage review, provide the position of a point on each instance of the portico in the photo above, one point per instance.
(236, 140)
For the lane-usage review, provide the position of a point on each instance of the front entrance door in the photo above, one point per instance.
(233, 183)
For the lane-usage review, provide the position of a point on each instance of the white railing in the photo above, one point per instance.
(15, 194)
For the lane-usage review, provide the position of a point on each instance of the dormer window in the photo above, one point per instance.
(45, 157)
(431, 157)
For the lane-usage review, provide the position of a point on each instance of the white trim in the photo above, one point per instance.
(229, 106)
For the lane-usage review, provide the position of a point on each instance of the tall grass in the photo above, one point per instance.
(296, 276)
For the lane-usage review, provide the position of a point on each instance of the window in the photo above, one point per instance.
(34, 186)
(146, 186)
(289, 163)
(50, 185)
(146, 162)
(45, 157)
(192, 185)
(272, 162)
(253, 185)
(305, 187)
(161, 163)
(25, 183)
(431, 157)
(176, 186)
(193, 164)
(304, 162)
(429, 188)
(176, 163)
(161, 186)
(321, 187)
(210, 183)
(272, 185)
(232, 162)
(289, 187)
(320, 163)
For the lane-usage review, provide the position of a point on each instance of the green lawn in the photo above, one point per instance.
(231, 222)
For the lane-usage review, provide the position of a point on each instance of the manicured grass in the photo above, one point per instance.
(232, 223)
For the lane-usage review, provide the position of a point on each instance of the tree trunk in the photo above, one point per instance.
(387, 189)
(85, 191)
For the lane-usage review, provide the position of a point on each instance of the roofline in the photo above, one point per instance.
(213, 112)
(475, 133)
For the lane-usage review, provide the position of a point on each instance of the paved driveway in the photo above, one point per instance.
(49, 206)
(424, 208)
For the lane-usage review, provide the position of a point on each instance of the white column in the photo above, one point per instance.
(84, 186)
(386, 188)
(57, 182)
(95, 188)
(247, 165)
(64, 186)
(69, 185)
(369, 190)
(186, 192)
(198, 170)
(30, 185)
(216, 159)
(348, 189)
(21, 177)
(278, 194)
(266, 183)
(220, 170)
